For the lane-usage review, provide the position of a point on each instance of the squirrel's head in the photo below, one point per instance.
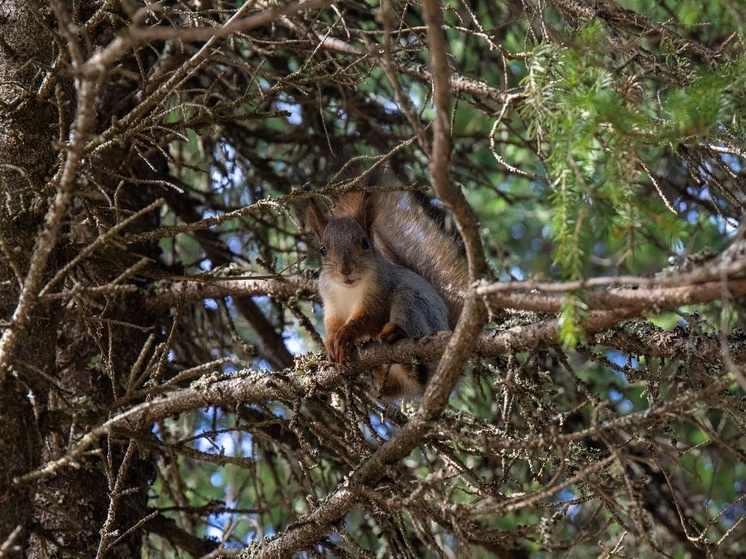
(345, 243)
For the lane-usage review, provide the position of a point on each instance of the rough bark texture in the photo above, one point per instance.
(57, 362)
(27, 131)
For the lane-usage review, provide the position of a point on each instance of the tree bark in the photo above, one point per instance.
(27, 133)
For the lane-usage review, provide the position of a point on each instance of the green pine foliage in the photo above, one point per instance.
(602, 126)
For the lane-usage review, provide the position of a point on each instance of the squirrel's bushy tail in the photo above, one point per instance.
(412, 231)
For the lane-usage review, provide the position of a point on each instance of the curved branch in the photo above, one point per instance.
(474, 314)
(335, 507)
(247, 387)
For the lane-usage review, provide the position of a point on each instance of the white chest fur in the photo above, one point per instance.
(342, 300)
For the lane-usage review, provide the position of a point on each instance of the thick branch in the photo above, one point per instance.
(728, 264)
(474, 314)
(643, 302)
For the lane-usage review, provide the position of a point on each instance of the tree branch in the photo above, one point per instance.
(192, 290)
(643, 302)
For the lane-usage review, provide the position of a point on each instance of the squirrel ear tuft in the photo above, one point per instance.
(366, 213)
(315, 219)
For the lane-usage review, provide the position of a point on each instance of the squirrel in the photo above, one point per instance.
(389, 271)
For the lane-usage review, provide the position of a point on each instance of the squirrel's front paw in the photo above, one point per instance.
(340, 346)
(390, 333)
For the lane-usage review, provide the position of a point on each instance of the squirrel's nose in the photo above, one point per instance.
(346, 269)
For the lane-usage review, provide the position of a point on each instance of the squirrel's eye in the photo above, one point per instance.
(322, 250)
(365, 244)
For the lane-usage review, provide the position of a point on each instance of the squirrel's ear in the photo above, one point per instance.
(315, 218)
(366, 213)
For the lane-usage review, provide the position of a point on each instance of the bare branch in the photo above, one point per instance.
(280, 288)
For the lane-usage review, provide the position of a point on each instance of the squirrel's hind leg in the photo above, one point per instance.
(391, 333)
